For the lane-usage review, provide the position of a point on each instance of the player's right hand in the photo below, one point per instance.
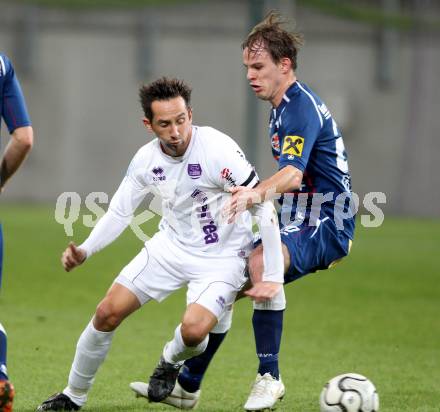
(72, 257)
(263, 291)
(242, 199)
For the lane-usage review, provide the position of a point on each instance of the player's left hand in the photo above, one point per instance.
(264, 290)
(242, 199)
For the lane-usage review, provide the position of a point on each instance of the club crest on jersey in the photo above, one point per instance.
(194, 170)
(227, 175)
(275, 142)
(158, 174)
(293, 146)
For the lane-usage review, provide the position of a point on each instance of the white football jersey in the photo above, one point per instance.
(193, 191)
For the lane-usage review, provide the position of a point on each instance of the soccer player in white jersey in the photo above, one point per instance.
(192, 168)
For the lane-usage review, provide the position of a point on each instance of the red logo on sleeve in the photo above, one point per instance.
(227, 175)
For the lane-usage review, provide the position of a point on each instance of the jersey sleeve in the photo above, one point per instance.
(298, 134)
(231, 168)
(120, 212)
(14, 110)
(136, 170)
(267, 222)
(134, 187)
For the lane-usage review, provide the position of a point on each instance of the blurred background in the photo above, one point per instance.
(375, 63)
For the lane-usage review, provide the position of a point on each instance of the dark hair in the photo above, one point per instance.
(278, 41)
(163, 89)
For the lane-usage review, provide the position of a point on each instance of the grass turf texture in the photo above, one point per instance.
(377, 314)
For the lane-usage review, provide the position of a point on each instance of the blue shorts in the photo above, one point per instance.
(313, 248)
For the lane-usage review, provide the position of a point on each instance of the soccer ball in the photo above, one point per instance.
(349, 392)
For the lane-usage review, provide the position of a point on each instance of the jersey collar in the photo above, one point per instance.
(287, 96)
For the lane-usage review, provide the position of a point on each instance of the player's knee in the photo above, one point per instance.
(256, 265)
(107, 318)
(193, 333)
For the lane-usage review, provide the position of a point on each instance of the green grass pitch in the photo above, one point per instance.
(377, 313)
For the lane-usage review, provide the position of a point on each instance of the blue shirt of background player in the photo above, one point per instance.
(12, 105)
(12, 109)
(304, 135)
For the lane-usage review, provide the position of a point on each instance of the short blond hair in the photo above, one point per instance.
(272, 35)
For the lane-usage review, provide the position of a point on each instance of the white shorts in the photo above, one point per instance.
(163, 266)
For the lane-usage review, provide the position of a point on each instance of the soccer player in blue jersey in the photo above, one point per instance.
(14, 112)
(317, 222)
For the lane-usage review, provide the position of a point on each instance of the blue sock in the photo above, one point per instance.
(3, 375)
(191, 375)
(268, 327)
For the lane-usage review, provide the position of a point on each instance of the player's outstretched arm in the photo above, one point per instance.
(15, 153)
(118, 216)
(72, 257)
(287, 179)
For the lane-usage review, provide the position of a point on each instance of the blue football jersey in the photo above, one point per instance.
(12, 105)
(304, 134)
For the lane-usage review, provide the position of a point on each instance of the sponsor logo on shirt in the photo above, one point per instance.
(194, 170)
(158, 174)
(226, 174)
(200, 196)
(206, 220)
(208, 225)
(293, 146)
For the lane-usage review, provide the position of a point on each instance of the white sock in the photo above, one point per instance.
(176, 351)
(91, 351)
